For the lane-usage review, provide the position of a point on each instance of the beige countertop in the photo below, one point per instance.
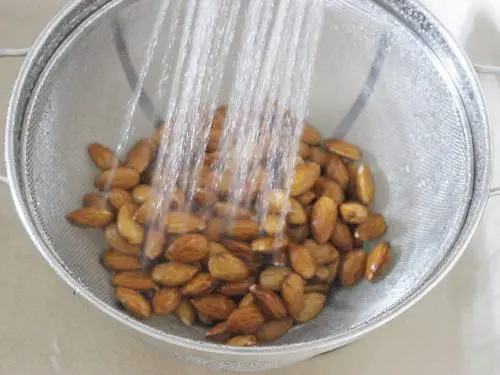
(46, 329)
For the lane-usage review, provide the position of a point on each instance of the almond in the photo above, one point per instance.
(304, 150)
(166, 301)
(365, 187)
(90, 217)
(214, 140)
(144, 214)
(307, 198)
(305, 177)
(323, 219)
(186, 313)
(269, 244)
(329, 188)
(353, 212)
(121, 177)
(243, 230)
(319, 156)
(244, 340)
(296, 215)
(236, 288)
(230, 211)
(214, 306)
(337, 171)
(302, 260)
(120, 197)
(205, 319)
(324, 254)
(342, 237)
(133, 302)
(203, 283)
(343, 149)
(292, 291)
(180, 223)
(270, 303)
(116, 261)
(272, 278)
(140, 156)
(311, 135)
(189, 248)
(313, 304)
(298, 234)
(273, 330)
(141, 193)
(135, 280)
(219, 117)
(227, 267)
(153, 244)
(127, 227)
(245, 319)
(378, 261)
(218, 333)
(239, 249)
(277, 201)
(327, 273)
(352, 268)
(94, 200)
(103, 157)
(215, 229)
(371, 229)
(116, 241)
(248, 300)
(318, 288)
(204, 197)
(274, 225)
(173, 274)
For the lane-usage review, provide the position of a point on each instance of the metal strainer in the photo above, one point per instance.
(420, 118)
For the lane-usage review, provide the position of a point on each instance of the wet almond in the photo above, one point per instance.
(127, 227)
(352, 268)
(302, 260)
(214, 306)
(135, 280)
(292, 291)
(313, 304)
(296, 215)
(94, 200)
(140, 156)
(90, 217)
(365, 187)
(245, 319)
(311, 135)
(353, 212)
(371, 229)
(142, 193)
(201, 284)
(298, 233)
(336, 170)
(243, 340)
(269, 301)
(116, 241)
(324, 254)
(186, 313)
(133, 302)
(273, 330)
(120, 197)
(343, 149)
(270, 244)
(153, 244)
(273, 225)
(166, 301)
(225, 266)
(121, 177)
(342, 237)
(236, 288)
(215, 229)
(103, 157)
(307, 198)
(306, 175)
(218, 333)
(329, 188)
(319, 156)
(323, 219)
(188, 248)
(117, 261)
(272, 277)
(243, 230)
(173, 274)
(181, 223)
(378, 261)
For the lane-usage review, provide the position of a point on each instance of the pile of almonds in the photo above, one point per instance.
(250, 281)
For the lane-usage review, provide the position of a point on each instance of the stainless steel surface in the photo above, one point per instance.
(424, 129)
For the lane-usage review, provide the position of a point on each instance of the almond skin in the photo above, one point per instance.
(270, 303)
(166, 301)
(103, 157)
(371, 229)
(90, 217)
(313, 304)
(120, 197)
(303, 261)
(227, 267)
(116, 261)
(305, 177)
(133, 302)
(201, 284)
(121, 177)
(245, 320)
(135, 280)
(323, 219)
(173, 274)
(140, 156)
(273, 330)
(343, 149)
(243, 230)
(116, 241)
(214, 306)
(342, 237)
(189, 248)
(292, 291)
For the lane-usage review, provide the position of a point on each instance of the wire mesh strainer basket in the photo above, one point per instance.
(388, 78)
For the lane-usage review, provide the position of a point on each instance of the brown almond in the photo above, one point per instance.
(248, 300)
(135, 280)
(274, 225)
(133, 302)
(127, 227)
(218, 333)
(323, 219)
(227, 267)
(329, 188)
(353, 212)
(205, 319)
(121, 177)
(313, 304)
(243, 340)
(173, 274)
(214, 140)
(243, 230)
(158, 134)
(324, 253)
(269, 301)
(140, 155)
(204, 197)
(142, 193)
(343, 149)
(273, 330)
(90, 217)
(153, 244)
(319, 156)
(144, 214)
(215, 229)
(307, 198)
(240, 249)
(116, 241)
(120, 197)
(378, 261)
(214, 306)
(219, 117)
(103, 157)
(94, 200)
(298, 234)
(270, 244)
(236, 288)
(180, 223)
(201, 284)
(318, 288)
(186, 313)
(302, 260)
(337, 171)
(116, 261)
(304, 150)
(245, 319)
(365, 187)
(166, 301)
(327, 273)
(277, 201)
(352, 268)
(292, 291)
(342, 237)
(231, 211)
(189, 248)
(211, 158)
(296, 215)
(306, 175)
(311, 135)
(272, 278)
(371, 229)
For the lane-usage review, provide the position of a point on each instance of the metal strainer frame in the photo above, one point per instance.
(416, 18)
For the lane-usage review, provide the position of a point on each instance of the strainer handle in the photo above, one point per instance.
(11, 52)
